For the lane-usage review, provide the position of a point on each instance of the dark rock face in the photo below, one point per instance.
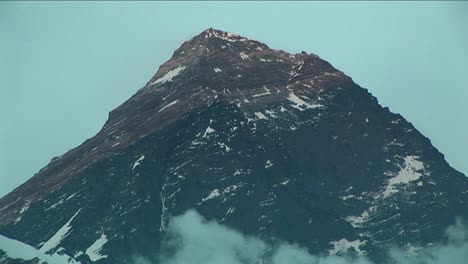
(5, 259)
(276, 145)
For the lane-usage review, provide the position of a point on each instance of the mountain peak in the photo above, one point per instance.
(212, 33)
(273, 144)
(214, 66)
(212, 42)
(213, 46)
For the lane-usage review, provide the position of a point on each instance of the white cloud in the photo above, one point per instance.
(195, 240)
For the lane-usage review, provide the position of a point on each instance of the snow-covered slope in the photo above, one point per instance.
(13, 251)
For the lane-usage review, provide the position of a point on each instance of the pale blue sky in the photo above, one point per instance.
(65, 65)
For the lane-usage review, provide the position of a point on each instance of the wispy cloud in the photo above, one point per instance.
(194, 240)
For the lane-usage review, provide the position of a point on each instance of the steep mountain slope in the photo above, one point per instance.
(276, 145)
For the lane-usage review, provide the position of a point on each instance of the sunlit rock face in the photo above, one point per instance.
(275, 145)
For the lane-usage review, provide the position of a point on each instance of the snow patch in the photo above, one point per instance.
(23, 210)
(285, 182)
(342, 246)
(61, 201)
(62, 233)
(230, 211)
(358, 221)
(260, 115)
(410, 171)
(271, 113)
(244, 56)
(25, 207)
(94, 250)
(18, 250)
(230, 37)
(169, 104)
(224, 146)
(215, 193)
(232, 188)
(71, 196)
(169, 75)
(208, 130)
(138, 162)
(299, 103)
(346, 197)
(267, 92)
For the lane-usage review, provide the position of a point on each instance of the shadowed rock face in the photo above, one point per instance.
(276, 145)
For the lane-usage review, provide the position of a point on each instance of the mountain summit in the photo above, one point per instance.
(276, 145)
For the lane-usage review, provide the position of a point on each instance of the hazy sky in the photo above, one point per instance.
(65, 65)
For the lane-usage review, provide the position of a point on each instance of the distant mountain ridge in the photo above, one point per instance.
(273, 144)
